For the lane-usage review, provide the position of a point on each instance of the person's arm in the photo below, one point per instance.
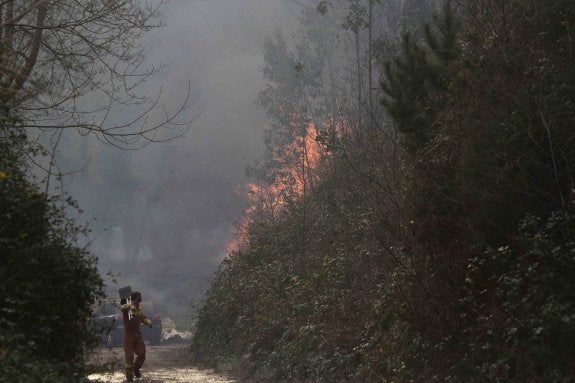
(147, 321)
(125, 307)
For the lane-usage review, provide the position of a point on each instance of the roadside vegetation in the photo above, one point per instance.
(63, 65)
(48, 284)
(413, 219)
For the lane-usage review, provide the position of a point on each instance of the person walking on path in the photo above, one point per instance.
(133, 316)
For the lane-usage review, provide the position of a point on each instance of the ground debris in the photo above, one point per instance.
(164, 364)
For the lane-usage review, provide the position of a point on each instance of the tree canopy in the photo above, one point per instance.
(71, 64)
(63, 65)
(48, 284)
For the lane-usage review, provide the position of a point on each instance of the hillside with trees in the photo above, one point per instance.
(413, 217)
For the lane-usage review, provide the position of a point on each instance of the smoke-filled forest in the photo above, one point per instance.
(320, 191)
(412, 217)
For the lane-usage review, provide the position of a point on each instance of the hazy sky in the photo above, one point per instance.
(163, 214)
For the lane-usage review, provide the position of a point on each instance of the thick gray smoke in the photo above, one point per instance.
(162, 215)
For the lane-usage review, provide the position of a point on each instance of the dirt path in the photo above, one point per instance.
(164, 364)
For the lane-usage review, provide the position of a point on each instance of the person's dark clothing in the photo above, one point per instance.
(133, 340)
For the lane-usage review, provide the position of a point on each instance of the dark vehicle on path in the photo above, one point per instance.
(152, 335)
(110, 325)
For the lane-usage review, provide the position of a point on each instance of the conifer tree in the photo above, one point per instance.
(414, 83)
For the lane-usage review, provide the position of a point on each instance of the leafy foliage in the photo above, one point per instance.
(292, 77)
(449, 259)
(527, 331)
(285, 307)
(48, 285)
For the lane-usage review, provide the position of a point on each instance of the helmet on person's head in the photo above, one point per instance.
(136, 296)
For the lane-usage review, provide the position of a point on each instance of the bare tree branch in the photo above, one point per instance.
(75, 63)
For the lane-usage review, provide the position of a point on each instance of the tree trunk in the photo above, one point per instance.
(23, 75)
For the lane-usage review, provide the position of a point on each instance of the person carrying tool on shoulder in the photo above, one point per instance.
(133, 316)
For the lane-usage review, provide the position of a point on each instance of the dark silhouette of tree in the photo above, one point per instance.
(48, 284)
(416, 82)
(72, 64)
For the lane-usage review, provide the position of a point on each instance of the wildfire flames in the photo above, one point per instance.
(300, 159)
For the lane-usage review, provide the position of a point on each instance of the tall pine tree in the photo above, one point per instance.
(415, 83)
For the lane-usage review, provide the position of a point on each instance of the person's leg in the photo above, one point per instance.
(140, 350)
(129, 359)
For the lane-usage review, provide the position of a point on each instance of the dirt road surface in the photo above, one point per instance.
(164, 364)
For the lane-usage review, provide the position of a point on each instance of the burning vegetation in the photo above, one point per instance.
(426, 237)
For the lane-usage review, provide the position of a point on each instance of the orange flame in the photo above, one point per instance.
(301, 158)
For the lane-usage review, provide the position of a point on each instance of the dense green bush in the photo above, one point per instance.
(525, 330)
(287, 310)
(47, 283)
(450, 262)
